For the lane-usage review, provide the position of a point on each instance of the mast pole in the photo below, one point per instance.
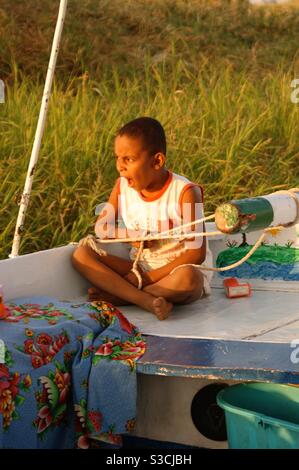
(39, 130)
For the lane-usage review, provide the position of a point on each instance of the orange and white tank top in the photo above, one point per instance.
(161, 213)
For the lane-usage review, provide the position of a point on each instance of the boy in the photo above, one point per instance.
(148, 199)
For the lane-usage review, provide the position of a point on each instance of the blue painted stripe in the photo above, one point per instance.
(218, 359)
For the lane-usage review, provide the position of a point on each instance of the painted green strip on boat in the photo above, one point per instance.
(244, 215)
(270, 253)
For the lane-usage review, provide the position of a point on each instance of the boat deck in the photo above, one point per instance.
(265, 316)
(219, 338)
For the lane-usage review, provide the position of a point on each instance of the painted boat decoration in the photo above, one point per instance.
(277, 259)
(268, 262)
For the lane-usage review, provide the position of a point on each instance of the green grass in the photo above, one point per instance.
(99, 35)
(217, 76)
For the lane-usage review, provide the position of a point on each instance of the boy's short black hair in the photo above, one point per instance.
(149, 130)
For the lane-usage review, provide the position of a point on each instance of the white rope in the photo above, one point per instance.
(135, 266)
(149, 238)
(166, 234)
(90, 241)
(189, 224)
(171, 234)
(234, 265)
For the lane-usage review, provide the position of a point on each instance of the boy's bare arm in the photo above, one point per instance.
(107, 218)
(190, 256)
(106, 225)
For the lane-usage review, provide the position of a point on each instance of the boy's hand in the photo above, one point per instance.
(132, 279)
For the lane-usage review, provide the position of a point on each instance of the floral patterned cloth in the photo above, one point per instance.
(69, 375)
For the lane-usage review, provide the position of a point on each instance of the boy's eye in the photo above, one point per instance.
(124, 159)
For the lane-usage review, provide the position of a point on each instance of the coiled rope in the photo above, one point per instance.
(92, 241)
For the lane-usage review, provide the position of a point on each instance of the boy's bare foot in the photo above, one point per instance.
(158, 306)
(95, 293)
(161, 308)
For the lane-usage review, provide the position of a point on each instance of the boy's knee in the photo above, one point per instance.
(79, 255)
(189, 278)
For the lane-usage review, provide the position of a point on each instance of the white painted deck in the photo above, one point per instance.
(265, 316)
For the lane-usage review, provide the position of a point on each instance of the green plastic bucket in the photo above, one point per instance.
(261, 416)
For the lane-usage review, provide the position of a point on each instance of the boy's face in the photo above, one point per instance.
(134, 163)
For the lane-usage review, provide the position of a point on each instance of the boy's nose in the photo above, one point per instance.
(120, 167)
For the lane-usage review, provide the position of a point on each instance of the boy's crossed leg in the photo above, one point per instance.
(106, 273)
(183, 286)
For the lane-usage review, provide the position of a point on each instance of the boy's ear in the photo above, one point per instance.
(159, 160)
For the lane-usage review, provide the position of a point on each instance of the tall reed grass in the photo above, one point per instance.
(233, 129)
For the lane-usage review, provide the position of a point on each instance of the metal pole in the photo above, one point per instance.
(39, 130)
